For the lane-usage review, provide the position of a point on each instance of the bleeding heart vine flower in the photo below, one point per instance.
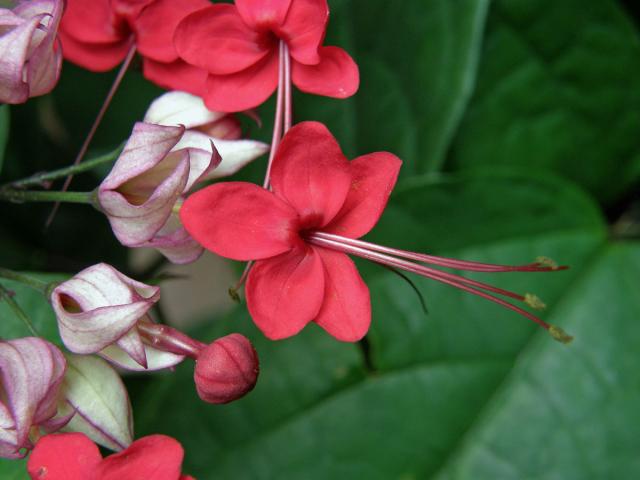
(73, 456)
(204, 127)
(102, 311)
(98, 34)
(147, 181)
(30, 55)
(239, 46)
(31, 373)
(300, 234)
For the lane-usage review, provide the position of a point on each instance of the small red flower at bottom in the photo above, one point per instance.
(301, 233)
(72, 456)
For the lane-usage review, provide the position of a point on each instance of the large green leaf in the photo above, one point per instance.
(417, 67)
(432, 381)
(4, 131)
(558, 89)
(35, 306)
(13, 469)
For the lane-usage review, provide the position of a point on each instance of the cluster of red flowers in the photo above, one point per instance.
(297, 231)
(228, 54)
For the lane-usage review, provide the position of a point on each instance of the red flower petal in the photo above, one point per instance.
(243, 90)
(97, 57)
(178, 75)
(217, 40)
(93, 22)
(335, 76)
(64, 456)
(304, 29)
(286, 292)
(156, 457)
(373, 178)
(311, 173)
(263, 14)
(240, 221)
(346, 311)
(157, 23)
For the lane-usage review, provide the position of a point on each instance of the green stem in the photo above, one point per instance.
(40, 178)
(45, 196)
(27, 280)
(6, 294)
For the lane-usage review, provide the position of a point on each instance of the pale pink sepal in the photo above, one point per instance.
(181, 108)
(99, 306)
(149, 177)
(156, 359)
(32, 372)
(204, 126)
(30, 54)
(175, 243)
(93, 390)
(235, 154)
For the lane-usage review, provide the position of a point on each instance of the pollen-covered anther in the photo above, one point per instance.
(547, 262)
(534, 301)
(560, 335)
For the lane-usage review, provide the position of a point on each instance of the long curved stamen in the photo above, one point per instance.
(476, 288)
(538, 266)
(278, 119)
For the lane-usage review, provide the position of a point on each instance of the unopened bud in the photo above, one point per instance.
(226, 370)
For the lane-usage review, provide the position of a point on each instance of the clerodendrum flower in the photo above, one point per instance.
(102, 311)
(73, 456)
(97, 35)
(238, 45)
(30, 54)
(32, 371)
(300, 233)
(148, 179)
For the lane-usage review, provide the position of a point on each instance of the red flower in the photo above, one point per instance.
(72, 456)
(301, 232)
(238, 46)
(97, 35)
(315, 189)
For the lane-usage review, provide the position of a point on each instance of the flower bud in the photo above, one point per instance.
(30, 54)
(148, 179)
(204, 128)
(99, 310)
(226, 370)
(32, 370)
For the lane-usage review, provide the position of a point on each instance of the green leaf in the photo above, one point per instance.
(13, 469)
(4, 131)
(558, 90)
(35, 306)
(434, 381)
(414, 88)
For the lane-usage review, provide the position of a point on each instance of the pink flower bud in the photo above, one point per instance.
(148, 180)
(31, 373)
(30, 54)
(226, 370)
(205, 128)
(99, 310)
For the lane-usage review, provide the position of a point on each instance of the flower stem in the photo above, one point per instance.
(105, 105)
(40, 178)
(277, 122)
(8, 297)
(20, 196)
(288, 107)
(27, 280)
